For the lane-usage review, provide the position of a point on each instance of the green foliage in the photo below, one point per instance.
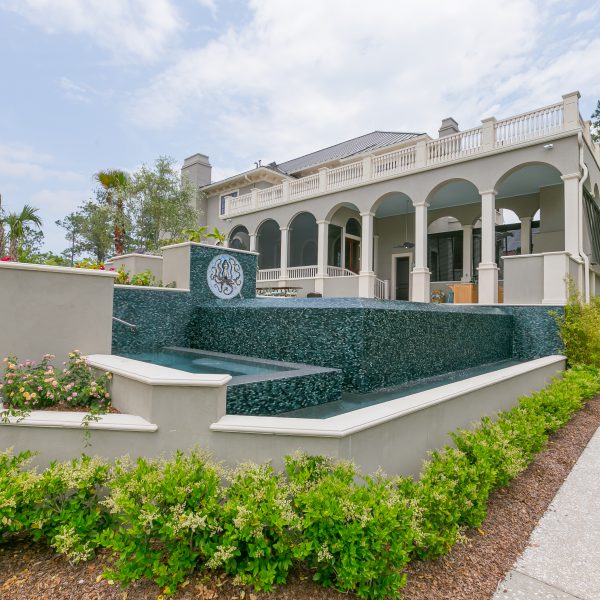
(145, 278)
(31, 385)
(595, 117)
(21, 227)
(197, 234)
(166, 515)
(216, 235)
(163, 519)
(579, 328)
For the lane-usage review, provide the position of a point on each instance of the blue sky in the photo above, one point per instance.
(95, 84)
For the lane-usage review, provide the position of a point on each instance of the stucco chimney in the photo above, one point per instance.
(197, 169)
(449, 126)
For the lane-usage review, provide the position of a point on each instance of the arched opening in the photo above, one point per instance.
(352, 245)
(239, 239)
(303, 240)
(445, 249)
(269, 245)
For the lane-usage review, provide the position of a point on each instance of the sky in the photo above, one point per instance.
(88, 85)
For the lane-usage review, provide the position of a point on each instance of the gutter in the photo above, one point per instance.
(584, 256)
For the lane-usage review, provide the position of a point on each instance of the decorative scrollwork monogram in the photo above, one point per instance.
(225, 276)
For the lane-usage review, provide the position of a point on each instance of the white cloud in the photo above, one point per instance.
(74, 91)
(22, 162)
(58, 203)
(129, 29)
(291, 80)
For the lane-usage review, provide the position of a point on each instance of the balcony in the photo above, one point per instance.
(493, 136)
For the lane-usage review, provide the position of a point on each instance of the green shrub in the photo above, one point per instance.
(357, 532)
(579, 327)
(165, 514)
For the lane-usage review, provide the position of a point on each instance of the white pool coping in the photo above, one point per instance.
(346, 424)
(74, 420)
(152, 374)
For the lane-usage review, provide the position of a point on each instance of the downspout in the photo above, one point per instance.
(584, 256)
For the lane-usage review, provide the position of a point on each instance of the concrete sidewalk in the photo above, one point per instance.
(562, 561)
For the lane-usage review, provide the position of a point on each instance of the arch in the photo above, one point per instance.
(303, 240)
(447, 222)
(340, 205)
(527, 178)
(268, 244)
(239, 238)
(509, 216)
(353, 227)
(392, 204)
(452, 192)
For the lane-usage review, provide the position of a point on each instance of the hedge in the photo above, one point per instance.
(164, 518)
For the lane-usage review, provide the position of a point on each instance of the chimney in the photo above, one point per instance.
(197, 169)
(449, 127)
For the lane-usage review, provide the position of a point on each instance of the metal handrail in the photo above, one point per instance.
(130, 325)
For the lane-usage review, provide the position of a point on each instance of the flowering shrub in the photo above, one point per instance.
(6, 259)
(88, 263)
(162, 519)
(30, 385)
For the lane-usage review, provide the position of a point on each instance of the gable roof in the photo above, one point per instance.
(363, 143)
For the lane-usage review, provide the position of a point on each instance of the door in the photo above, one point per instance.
(352, 255)
(402, 277)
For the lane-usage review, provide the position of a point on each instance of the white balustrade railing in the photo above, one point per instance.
(393, 162)
(514, 130)
(270, 196)
(302, 272)
(536, 123)
(340, 272)
(236, 205)
(305, 186)
(457, 145)
(382, 289)
(268, 274)
(344, 176)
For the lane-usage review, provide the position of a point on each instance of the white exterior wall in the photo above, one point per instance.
(54, 310)
(137, 263)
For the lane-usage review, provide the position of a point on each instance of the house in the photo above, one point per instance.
(397, 215)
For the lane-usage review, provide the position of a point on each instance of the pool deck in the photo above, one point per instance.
(562, 561)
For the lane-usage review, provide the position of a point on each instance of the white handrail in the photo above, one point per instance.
(302, 272)
(533, 124)
(382, 289)
(268, 274)
(340, 272)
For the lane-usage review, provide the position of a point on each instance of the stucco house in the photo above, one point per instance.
(397, 215)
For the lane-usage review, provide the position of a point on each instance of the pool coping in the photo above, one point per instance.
(346, 424)
(295, 369)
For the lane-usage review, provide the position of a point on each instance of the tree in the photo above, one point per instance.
(17, 227)
(161, 204)
(2, 234)
(114, 186)
(596, 123)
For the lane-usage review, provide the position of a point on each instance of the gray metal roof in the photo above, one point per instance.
(363, 143)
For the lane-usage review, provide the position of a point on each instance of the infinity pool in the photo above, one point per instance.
(194, 361)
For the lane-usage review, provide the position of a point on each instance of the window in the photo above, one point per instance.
(444, 255)
(222, 201)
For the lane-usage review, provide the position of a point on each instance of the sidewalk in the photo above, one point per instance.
(562, 561)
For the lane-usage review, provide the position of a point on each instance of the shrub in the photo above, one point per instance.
(579, 328)
(356, 531)
(165, 513)
(30, 385)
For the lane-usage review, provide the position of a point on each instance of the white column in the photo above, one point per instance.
(525, 235)
(322, 238)
(488, 269)
(467, 253)
(366, 281)
(284, 252)
(420, 272)
(253, 238)
(571, 195)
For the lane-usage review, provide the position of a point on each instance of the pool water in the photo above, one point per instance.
(206, 364)
(353, 401)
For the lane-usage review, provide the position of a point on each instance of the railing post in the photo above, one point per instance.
(386, 289)
(285, 191)
(488, 134)
(254, 198)
(571, 110)
(367, 168)
(421, 153)
(323, 179)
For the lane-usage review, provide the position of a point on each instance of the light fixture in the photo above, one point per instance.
(406, 244)
(548, 146)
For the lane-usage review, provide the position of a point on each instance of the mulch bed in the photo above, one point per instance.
(470, 572)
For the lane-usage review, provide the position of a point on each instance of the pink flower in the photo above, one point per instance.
(40, 388)
(74, 394)
(5, 259)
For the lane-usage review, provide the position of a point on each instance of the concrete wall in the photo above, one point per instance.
(137, 263)
(54, 310)
(176, 265)
(524, 279)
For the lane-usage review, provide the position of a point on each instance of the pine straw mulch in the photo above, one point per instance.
(470, 572)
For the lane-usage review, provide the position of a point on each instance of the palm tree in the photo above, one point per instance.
(114, 183)
(17, 224)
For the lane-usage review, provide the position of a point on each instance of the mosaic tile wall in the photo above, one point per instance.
(535, 333)
(281, 395)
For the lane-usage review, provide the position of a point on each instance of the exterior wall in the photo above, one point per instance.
(137, 263)
(176, 265)
(524, 280)
(54, 310)
(341, 287)
(551, 237)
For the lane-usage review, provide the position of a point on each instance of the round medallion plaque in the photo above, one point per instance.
(225, 276)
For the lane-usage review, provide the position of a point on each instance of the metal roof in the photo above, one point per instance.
(363, 143)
